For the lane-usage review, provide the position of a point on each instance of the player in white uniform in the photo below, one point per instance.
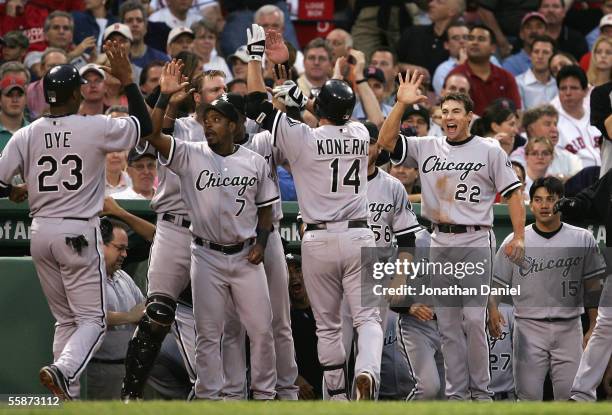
(561, 262)
(460, 176)
(330, 171)
(169, 276)
(61, 157)
(500, 356)
(229, 192)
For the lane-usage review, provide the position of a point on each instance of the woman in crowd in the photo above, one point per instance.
(499, 121)
(538, 157)
(600, 67)
(204, 45)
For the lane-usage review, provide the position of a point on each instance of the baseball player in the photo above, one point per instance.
(460, 176)
(229, 192)
(561, 262)
(330, 171)
(61, 156)
(169, 279)
(500, 356)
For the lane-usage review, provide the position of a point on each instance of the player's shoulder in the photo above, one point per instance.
(248, 153)
(577, 231)
(386, 179)
(488, 142)
(425, 139)
(262, 136)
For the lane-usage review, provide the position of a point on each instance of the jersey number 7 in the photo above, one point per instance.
(351, 178)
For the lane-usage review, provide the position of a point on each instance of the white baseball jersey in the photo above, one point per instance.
(459, 180)
(261, 143)
(500, 353)
(63, 160)
(551, 278)
(216, 187)
(580, 137)
(168, 194)
(330, 165)
(390, 210)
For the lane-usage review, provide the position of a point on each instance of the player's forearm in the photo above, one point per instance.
(117, 318)
(516, 209)
(142, 227)
(592, 315)
(157, 116)
(264, 217)
(255, 80)
(138, 108)
(387, 137)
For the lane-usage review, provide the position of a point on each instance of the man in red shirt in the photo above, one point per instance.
(487, 81)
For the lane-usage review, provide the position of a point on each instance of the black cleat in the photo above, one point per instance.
(54, 380)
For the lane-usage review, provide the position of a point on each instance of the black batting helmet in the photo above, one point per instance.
(335, 101)
(60, 82)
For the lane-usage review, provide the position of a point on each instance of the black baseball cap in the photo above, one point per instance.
(237, 101)
(223, 106)
(372, 131)
(374, 73)
(135, 155)
(416, 109)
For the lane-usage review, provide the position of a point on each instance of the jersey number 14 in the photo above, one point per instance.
(351, 178)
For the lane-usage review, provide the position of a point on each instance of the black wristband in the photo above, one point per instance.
(162, 101)
(6, 191)
(361, 81)
(262, 236)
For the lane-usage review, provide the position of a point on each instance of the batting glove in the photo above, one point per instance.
(290, 95)
(566, 206)
(256, 42)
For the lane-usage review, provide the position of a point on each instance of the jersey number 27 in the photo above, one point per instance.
(351, 178)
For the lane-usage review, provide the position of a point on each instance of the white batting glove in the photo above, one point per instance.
(256, 42)
(290, 95)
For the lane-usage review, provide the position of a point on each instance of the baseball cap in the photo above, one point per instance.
(135, 155)
(120, 28)
(416, 109)
(10, 82)
(177, 31)
(237, 101)
(534, 15)
(372, 131)
(241, 53)
(374, 73)
(92, 67)
(16, 38)
(223, 106)
(605, 21)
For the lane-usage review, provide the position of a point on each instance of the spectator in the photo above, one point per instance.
(376, 79)
(303, 328)
(605, 29)
(416, 117)
(238, 86)
(601, 117)
(568, 39)
(430, 39)
(93, 91)
(532, 26)
(92, 22)
(600, 66)
(504, 18)
(456, 83)
(125, 306)
(239, 61)
(536, 85)
(14, 46)
(149, 77)
(384, 59)
(455, 43)
(117, 179)
(12, 107)
(180, 40)
(177, 14)
(538, 157)
(35, 93)
(340, 42)
(558, 61)
(121, 34)
(142, 169)
(542, 122)
(498, 121)
(204, 45)
(576, 134)
(605, 24)
(286, 184)
(519, 170)
(487, 82)
(18, 70)
(409, 177)
(133, 14)
(317, 66)
(272, 17)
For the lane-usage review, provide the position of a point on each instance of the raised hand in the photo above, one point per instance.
(276, 50)
(171, 77)
(290, 95)
(87, 43)
(256, 42)
(119, 59)
(408, 92)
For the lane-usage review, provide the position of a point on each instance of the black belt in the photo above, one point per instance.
(448, 228)
(225, 249)
(501, 396)
(171, 218)
(323, 226)
(551, 319)
(71, 218)
(107, 361)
